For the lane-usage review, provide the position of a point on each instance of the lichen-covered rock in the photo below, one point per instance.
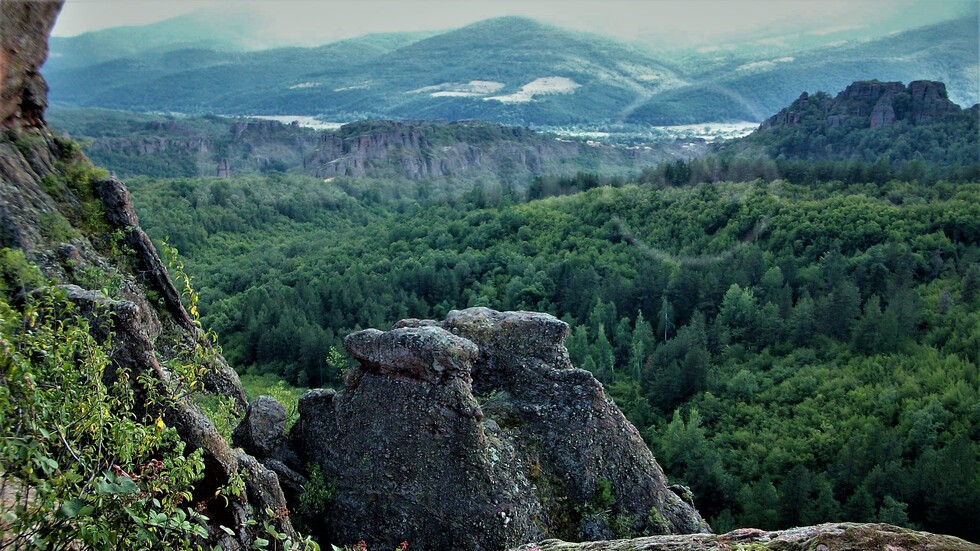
(822, 537)
(412, 453)
(426, 353)
(566, 424)
(263, 428)
(406, 451)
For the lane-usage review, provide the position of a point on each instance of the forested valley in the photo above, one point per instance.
(775, 337)
(795, 347)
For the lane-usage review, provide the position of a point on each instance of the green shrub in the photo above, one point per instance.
(80, 463)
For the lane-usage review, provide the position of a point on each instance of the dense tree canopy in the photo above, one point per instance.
(794, 353)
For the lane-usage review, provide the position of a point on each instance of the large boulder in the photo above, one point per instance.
(478, 433)
(407, 452)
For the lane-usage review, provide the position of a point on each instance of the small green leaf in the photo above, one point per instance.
(126, 485)
(71, 508)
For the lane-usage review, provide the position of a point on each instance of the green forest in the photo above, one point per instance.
(793, 352)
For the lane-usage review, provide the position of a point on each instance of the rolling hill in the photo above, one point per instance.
(511, 70)
(742, 90)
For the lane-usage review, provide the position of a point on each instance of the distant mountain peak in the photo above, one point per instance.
(511, 21)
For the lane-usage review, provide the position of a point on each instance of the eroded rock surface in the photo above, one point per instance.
(24, 29)
(841, 536)
(477, 433)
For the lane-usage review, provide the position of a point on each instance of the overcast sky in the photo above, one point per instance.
(679, 22)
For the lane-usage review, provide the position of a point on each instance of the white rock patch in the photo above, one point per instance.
(539, 87)
(473, 88)
(765, 64)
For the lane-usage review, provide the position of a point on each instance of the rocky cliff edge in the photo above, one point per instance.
(78, 226)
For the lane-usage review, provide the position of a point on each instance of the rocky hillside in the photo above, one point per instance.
(78, 227)
(872, 104)
(474, 432)
(914, 132)
(159, 146)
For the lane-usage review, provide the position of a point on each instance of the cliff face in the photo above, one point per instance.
(410, 150)
(477, 433)
(79, 227)
(373, 149)
(874, 104)
(24, 30)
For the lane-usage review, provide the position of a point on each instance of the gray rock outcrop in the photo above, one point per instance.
(478, 433)
(875, 104)
(838, 536)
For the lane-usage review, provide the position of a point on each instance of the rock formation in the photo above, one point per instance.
(874, 104)
(478, 433)
(79, 227)
(24, 30)
(372, 149)
(822, 537)
(471, 433)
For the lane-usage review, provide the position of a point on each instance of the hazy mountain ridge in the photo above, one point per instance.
(944, 52)
(512, 70)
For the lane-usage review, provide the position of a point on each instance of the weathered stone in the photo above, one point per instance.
(822, 537)
(407, 440)
(261, 432)
(24, 29)
(567, 423)
(428, 353)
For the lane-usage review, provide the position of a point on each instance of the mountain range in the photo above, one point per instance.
(512, 70)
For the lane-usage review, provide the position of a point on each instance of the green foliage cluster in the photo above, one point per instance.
(825, 326)
(82, 461)
(603, 512)
(86, 459)
(314, 502)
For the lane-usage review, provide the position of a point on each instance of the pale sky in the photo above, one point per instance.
(679, 22)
